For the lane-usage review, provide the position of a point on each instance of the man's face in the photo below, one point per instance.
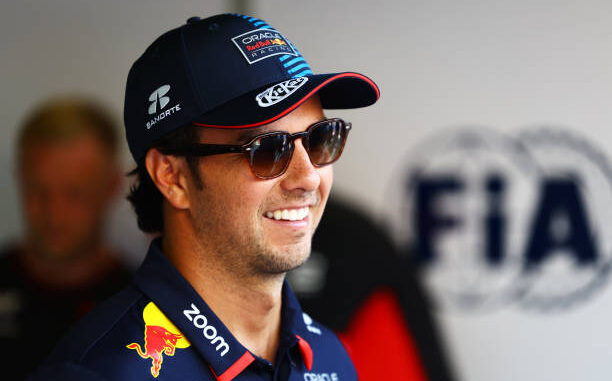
(66, 187)
(232, 212)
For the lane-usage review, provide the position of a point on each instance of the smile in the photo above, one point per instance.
(289, 214)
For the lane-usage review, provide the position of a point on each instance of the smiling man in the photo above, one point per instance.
(225, 120)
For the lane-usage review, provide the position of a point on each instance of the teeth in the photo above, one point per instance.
(289, 214)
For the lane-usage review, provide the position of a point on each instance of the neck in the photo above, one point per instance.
(248, 304)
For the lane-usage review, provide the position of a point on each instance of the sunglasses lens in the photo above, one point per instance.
(326, 142)
(270, 155)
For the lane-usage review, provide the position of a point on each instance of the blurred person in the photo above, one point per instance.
(225, 121)
(68, 175)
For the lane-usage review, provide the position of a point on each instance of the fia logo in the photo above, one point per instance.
(156, 97)
(495, 219)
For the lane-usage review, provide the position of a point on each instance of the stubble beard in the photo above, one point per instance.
(247, 253)
(287, 258)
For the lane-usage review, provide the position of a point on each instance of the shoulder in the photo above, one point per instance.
(10, 267)
(330, 357)
(96, 344)
(65, 372)
(115, 343)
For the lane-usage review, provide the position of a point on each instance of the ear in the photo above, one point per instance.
(169, 174)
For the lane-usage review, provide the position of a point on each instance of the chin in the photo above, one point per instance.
(283, 260)
(59, 251)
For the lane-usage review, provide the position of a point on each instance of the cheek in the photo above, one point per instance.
(229, 179)
(228, 196)
(246, 203)
(33, 206)
(86, 210)
(327, 178)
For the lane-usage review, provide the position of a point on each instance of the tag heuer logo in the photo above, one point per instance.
(158, 97)
(280, 91)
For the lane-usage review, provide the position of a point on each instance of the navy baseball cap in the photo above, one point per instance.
(226, 71)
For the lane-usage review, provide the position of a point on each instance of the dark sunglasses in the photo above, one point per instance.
(269, 154)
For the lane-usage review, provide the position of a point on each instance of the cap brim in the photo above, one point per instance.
(336, 91)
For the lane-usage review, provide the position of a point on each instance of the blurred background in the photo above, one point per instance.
(487, 158)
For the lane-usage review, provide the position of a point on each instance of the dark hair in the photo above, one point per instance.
(144, 196)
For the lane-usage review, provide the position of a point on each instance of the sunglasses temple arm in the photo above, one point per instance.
(205, 149)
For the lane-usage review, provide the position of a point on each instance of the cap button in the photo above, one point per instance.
(193, 19)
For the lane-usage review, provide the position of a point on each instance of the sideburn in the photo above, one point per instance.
(193, 163)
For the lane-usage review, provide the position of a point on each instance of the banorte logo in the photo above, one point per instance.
(156, 97)
(161, 337)
(159, 97)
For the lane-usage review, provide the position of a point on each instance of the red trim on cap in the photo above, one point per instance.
(245, 360)
(306, 352)
(294, 106)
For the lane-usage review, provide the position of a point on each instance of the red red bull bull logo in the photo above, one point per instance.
(264, 43)
(278, 41)
(161, 337)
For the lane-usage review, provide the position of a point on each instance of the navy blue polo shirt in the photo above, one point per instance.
(159, 328)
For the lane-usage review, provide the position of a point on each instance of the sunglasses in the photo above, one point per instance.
(269, 154)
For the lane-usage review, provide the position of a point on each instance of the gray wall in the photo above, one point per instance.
(500, 64)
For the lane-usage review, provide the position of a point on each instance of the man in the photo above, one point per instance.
(224, 118)
(68, 176)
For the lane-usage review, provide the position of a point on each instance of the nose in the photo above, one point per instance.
(301, 175)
